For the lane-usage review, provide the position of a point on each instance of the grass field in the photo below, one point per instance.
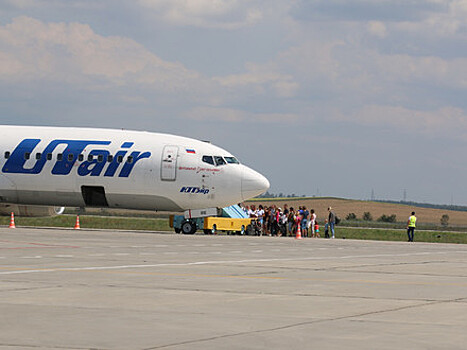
(92, 221)
(151, 224)
(342, 207)
(400, 235)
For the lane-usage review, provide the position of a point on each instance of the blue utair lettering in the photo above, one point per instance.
(128, 167)
(94, 167)
(113, 166)
(15, 164)
(17, 160)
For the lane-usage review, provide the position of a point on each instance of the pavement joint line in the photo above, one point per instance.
(199, 263)
(299, 324)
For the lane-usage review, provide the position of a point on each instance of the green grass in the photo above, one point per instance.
(399, 225)
(154, 224)
(96, 222)
(400, 235)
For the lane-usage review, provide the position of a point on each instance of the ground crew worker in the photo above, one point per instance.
(411, 226)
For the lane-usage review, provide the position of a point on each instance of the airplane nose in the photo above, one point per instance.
(253, 183)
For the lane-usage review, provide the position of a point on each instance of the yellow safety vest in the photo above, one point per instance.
(412, 221)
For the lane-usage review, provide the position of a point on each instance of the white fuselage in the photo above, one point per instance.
(119, 169)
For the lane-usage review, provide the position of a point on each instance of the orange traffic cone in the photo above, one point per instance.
(77, 227)
(12, 221)
(299, 232)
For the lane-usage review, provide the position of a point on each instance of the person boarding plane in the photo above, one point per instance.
(84, 167)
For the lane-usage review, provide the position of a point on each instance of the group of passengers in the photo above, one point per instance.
(275, 221)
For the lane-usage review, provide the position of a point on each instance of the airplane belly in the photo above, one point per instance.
(8, 191)
(56, 191)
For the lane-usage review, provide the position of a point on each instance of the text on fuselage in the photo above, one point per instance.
(94, 166)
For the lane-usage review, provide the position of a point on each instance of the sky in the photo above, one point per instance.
(323, 97)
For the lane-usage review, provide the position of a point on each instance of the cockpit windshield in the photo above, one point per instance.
(208, 159)
(231, 160)
(219, 160)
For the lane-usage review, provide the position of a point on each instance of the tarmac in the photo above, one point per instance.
(69, 289)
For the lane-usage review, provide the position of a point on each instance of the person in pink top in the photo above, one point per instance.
(312, 222)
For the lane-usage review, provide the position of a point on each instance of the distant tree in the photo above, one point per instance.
(281, 195)
(338, 220)
(351, 216)
(445, 220)
(367, 216)
(387, 218)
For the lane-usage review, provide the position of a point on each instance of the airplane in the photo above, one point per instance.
(109, 168)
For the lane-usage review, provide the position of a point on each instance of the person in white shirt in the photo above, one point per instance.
(252, 212)
(313, 222)
(260, 215)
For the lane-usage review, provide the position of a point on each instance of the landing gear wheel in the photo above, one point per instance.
(207, 231)
(188, 228)
(177, 230)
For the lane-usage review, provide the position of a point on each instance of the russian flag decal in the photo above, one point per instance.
(188, 150)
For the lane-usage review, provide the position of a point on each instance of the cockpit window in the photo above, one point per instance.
(231, 160)
(208, 159)
(219, 160)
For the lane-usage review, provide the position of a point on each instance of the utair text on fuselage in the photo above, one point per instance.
(94, 165)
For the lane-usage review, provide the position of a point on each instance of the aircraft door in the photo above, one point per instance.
(169, 163)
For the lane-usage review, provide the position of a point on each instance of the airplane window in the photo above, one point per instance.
(231, 160)
(38, 156)
(100, 158)
(110, 159)
(71, 157)
(208, 159)
(27, 155)
(219, 160)
(90, 158)
(49, 156)
(81, 157)
(120, 159)
(7, 155)
(60, 157)
(129, 159)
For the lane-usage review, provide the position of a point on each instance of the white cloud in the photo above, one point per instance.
(377, 28)
(21, 4)
(74, 53)
(261, 78)
(434, 70)
(225, 14)
(445, 119)
(238, 116)
(447, 23)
